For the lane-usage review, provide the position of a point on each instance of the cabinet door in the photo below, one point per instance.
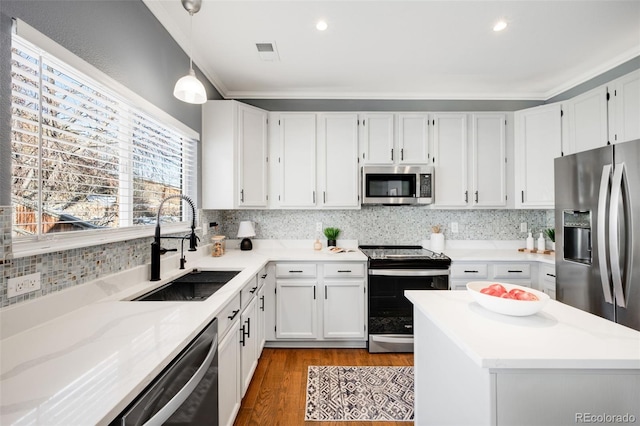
(248, 343)
(625, 93)
(377, 138)
(343, 309)
(297, 160)
(537, 143)
(260, 330)
(229, 376)
(586, 116)
(296, 309)
(450, 157)
(338, 160)
(413, 138)
(252, 151)
(489, 160)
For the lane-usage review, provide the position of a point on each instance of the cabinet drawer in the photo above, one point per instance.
(469, 270)
(512, 270)
(333, 270)
(228, 314)
(548, 274)
(295, 270)
(248, 292)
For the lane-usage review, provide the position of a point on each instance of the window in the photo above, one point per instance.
(84, 157)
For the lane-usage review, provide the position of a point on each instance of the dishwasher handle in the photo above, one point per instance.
(179, 398)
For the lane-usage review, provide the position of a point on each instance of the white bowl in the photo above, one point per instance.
(504, 306)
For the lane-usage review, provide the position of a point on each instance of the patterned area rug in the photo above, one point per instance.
(359, 393)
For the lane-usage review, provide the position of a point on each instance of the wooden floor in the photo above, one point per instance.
(277, 393)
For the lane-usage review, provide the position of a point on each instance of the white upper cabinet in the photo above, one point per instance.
(338, 160)
(413, 138)
(450, 159)
(538, 141)
(586, 119)
(297, 160)
(488, 146)
(624, 108)
(377, 138)
(234, 155)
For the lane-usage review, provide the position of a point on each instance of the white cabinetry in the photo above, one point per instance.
(538, 141)
(624, 108)
(234, 155)
(248, 343)
(413, 138)
(488, 157)
(547, 279)
(377, 138)
(338, 160)
(344, 296)
(296, 296)
(297, 160)
(450, 158)
(229, 362)
(521, 273)
(586, 119)
(320, 302)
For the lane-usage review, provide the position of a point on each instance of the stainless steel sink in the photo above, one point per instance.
(194, 286)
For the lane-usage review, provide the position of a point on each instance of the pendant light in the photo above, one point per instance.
(189, 89)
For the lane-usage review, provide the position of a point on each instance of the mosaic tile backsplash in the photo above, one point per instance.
(370, 225)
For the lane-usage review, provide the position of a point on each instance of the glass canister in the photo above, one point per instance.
(218, 245)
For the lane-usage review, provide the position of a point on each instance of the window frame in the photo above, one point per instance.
(46, 243)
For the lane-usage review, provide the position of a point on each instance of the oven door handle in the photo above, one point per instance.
(409, 272)
(391, 339)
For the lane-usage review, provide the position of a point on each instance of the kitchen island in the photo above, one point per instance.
(561, 366)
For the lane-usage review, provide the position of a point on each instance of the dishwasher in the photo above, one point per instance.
(185, 392)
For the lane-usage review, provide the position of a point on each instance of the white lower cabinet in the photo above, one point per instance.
(229, 394)
(521, 273)
(547, 279)
(320, 301)
(248, 343)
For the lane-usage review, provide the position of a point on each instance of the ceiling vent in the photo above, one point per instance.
(268, 51)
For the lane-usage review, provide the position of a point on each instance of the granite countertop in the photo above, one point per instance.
(82, 355)
(559, 336)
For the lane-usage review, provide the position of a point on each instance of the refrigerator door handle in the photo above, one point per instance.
(614, 239)
(602, 218)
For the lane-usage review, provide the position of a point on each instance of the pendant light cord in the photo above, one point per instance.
(191, 41)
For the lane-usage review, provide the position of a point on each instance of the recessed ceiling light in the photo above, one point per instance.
(322, 25)
(500, 25)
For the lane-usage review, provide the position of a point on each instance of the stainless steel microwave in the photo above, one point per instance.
(397, 185)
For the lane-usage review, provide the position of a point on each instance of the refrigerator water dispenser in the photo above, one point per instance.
(577, 236)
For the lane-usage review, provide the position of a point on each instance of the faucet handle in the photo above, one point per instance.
(164, 250)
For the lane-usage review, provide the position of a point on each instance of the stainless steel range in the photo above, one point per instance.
(392, 270)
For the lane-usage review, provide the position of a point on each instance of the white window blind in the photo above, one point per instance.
(84, 157)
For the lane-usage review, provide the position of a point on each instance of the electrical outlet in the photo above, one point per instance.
(318, 226)
(523, 227)
(24, 284)
(454, 227)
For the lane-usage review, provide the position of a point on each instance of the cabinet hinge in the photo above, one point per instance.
(278, 122)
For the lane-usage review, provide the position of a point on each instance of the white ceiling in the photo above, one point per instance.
(394, 49)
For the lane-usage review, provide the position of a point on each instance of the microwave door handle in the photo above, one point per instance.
(602, 218)
(614, 238)
(178, 399)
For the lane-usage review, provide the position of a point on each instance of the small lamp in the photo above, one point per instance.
(245, 230)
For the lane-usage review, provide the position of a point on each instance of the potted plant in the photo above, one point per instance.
(551, 234)
(332, 235)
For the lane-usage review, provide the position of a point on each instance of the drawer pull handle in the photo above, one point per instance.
(551, 275)
(253, 290)
(235, 312)
(515, 271)
(345, 270)
(295, 272)
(264, 276)
(471, 272)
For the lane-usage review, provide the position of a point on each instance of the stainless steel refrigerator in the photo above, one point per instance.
(597, 217)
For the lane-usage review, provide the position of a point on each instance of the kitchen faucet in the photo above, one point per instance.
(156, 250)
